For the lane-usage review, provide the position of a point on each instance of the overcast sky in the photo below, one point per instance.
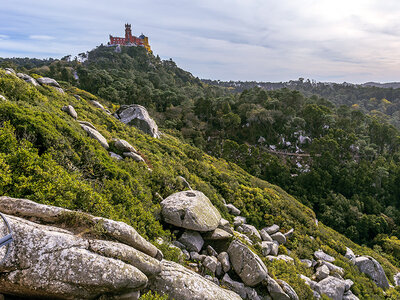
(264, 40)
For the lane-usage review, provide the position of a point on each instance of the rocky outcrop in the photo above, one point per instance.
(274, 289)
(48, 81)
(246, 263)
(47, 261)
(27, 79)
(190, 210)
(137, 115)
(183, 284)
(93, 133)
(69, 109)
(332, 287)
(372, 268)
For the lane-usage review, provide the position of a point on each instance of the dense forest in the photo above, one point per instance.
(334, 147)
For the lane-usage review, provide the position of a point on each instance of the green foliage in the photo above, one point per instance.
(153, 296)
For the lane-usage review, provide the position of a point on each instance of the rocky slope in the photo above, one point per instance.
(232, 236)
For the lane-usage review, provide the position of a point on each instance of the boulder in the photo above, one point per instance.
(289, 234)
(123, 146)
(95, 135)
(348, 284)
(246, 263)
(223, 258)
(137, 115)
(2, 98)
(69, 109)
(190, 210)
(9, 71)
(184, 182)
(269, 248)
(236, 286)
(217, 234)
(396, 279)
(322, 272)
(232, 209)
(133, 155)
(210, 263)
(332, 268)
(288, 289)
(181, 283)
(323, 256)
(332, 287)
(279, 237)
(283, 257)
(211, 251)
(237, 221)
(48, 81)
(307, 262)
(265, 236)
(349, 254)
(27, 79)
(272, 229)
(116, 156)
(349, 296)
(97, 104)
(87, 124)
(274, 289)
(46, 261)
(224, 225)
(196, 256)
(373, 269)
(192, 240)
(249, 230)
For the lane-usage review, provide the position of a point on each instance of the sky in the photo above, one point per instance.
(264, 40)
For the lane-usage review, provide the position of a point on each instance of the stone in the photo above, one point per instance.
(274, 289)
(283, 257)
(269, 248)
(350, 254)
(69, 109)
(289, 234)
(218, 270)
(116, 156)
(349, 296)
(2, 98)
(279, 237)
(133, 155)
(77, 97)
(192, 241)
(265, 236)
(396, 279)
(27, 79)
(123, 146)
(333, 269)
(243, 237)
(48, 81)
(178, 244)
(272, 229)
(288, 289)
(184, 182)
(181, 283)
(10, 70)
(232, 209)
(223, 258)
(307, 262)
(251, 294)
(348, 284)
(224, 225)
(60, 90)
(250, 230)
(308, 281)
(95, 135)
(237, 287)
(211, 251)
(323, 256)
(186, 254)
(137, 115)
(190, 210)
(196, 256)
(373, 269)
(332, 287)
(237, 221)
(217, 234)
(246, 263)
(87, 124)
(322, 272)
(210, 263)
(97, 104)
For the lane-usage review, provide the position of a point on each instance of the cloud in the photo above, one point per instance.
(3, 37)
(41, 37)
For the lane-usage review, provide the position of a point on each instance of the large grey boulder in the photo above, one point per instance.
(249, 230)
(332, 287)
(396, 279)
(372, 268)
(269, 248)
(123, 146)
(349, 254)
(27, 79)
(69, 109)
(183, 284)
(48, 81)
(322, 272)
(95, 135)
(274, 289)
(46, 261)
(192, 241)
(190, 210)
(217, 234)
(272, 229)
(232, 209)
(288, 289)
(223, 258)
(246, 263)
(265, 236)
(323, 256)
(236, 286)
(279, 237)
(137, 115)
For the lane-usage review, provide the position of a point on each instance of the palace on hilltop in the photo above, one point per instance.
(130, 40)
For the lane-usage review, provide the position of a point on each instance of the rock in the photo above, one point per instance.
(246, 263)
(190, 210)
(323, 256)
(95, 135)
(331, 287)
(251, 294)
(237, 221)
(50, 214)
(60, 90)
(123, 146)
(333, 269)
(2, 98)
(272, 229)
(396, 279)
(279, 237)
(322, 272)
(286, 258)
(274, 289)
(308, 281)
(50, 262)
(211, 251)
(348, 284)
(224, 225)
(349, 254)
(307, 262)
(372, 268)
(288, 289)
(250, 230)
(237, 287)
(192, 241)
(69, 109)
(10, 71)
(232, 209)
(196, 256)
(97, 104)
(186, 254)
(265, 236)
(218, 270)
(217, 234)
(27, 78)
(48, 81)
(181, 283)
(77, 97)
(116, 156)
(244, 237)
(223, 258)
(349, 296)
(137, 115)
(87, 124)
(289, 234)
(134, 156)
(184, 182)
(178, 244)
(269, 248)
(210, 263)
